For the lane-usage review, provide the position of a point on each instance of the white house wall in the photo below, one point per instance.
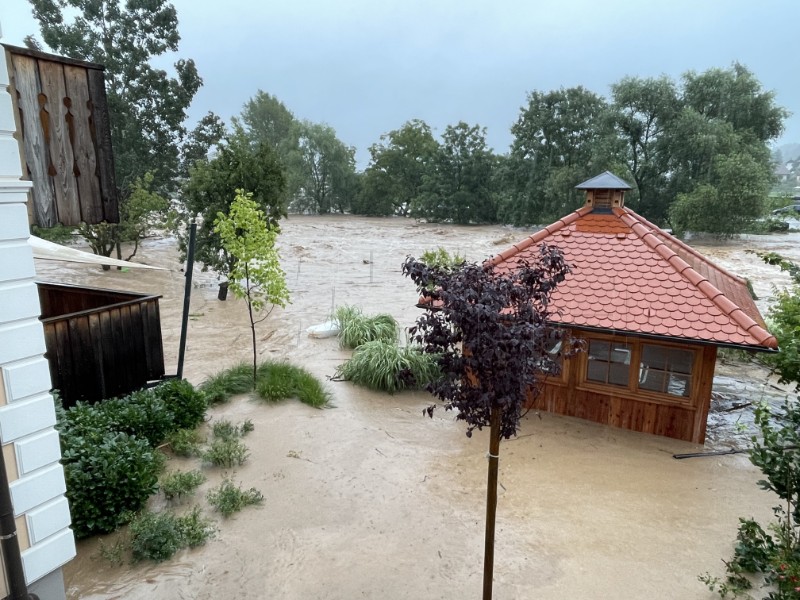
(27, 413)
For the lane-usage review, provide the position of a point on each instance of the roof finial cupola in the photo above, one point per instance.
(604, 192)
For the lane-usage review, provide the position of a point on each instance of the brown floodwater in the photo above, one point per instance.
(368, 499)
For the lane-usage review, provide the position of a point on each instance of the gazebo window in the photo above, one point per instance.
(666, 370)
(609, 362)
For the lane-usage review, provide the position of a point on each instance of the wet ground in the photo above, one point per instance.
(370, 500)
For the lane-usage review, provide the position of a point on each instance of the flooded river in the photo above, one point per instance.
(370, 500)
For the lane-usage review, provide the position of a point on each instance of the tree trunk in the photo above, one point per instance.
(491, 500)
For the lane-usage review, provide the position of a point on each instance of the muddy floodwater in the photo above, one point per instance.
(368, 499)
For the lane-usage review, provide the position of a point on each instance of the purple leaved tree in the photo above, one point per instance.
(495, 345)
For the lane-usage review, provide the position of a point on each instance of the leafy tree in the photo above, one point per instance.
(147, 105)
(643, 112)
(256, 276)
(399, 165)
(207, 134)
(459, 186)
(490, 332)
(561, 138)
(212, 187)
(327, 170)
(728, 205)
(139, 214)
(770, 557)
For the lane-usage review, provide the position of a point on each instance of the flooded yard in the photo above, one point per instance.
(368, 499)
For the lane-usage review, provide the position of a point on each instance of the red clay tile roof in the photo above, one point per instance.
(629, 275)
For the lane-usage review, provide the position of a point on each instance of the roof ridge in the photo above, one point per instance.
(702, 284)
(539, 235)
(684, 246)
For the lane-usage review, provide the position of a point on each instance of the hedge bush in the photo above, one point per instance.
(110, 462)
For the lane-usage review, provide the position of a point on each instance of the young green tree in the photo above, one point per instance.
(490, 332)
(212, 186)
(256, 274)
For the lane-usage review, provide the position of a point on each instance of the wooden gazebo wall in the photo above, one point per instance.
(65, 137)
(100, 343)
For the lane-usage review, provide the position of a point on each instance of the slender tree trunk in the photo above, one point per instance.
(491, 500)
(252, 322)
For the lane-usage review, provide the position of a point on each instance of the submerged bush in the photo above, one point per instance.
(227, 498)
(178, 484)
(387, 367)
(187, 405)
(356, 329)
(158, 536)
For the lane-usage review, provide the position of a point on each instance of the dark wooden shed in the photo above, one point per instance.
(100, 343)
(652, 312)
(64, 134)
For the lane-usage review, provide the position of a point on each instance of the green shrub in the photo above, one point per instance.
(219, 388)
(181, 483)
(185, 442)
(158, 536)
(141, 414)
(387, 367)
(108, 476)
(226, 452)
(228, 498)
(356, 329)
(279, 381)
(442, 259)
(188, 405)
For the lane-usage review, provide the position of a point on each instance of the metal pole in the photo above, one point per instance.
(9, 544)
(187, 296)
(491, 501)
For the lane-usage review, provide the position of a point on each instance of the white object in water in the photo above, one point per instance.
(324, 330)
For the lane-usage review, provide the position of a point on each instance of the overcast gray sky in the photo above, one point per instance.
(367, 66)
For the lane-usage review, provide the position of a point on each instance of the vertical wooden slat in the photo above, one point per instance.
(62, 160)
(705, 381)
(77, 86)
(66, 380)
(26, 78)
(109, 354)
(96, 343)
(101, 132)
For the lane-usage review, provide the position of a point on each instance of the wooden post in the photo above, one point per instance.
(491, 499)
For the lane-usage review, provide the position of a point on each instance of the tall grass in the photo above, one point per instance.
(279, 380)
(356, 329)
(385, 366)
(220, 387)
(275, 381)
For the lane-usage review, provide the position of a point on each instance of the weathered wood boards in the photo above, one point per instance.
(100, 343)
(65, 138)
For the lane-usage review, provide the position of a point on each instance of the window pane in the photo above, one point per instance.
(681, 361)
(597, 370)
(618, 374)
(678, 385)
(598, 349)
(653, 380)
(654, 356)
(621, 353)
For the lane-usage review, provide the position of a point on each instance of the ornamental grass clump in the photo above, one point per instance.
(279, 380)
(220, 387)
(356, 329)
(387, 367)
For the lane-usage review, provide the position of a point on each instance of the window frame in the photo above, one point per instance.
(632, 389)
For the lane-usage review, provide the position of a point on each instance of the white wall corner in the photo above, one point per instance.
(26, 378)
(19, 301)
(37, 488)
(54, 552)
(23, 418)
(47, 520)
(21, 340)
(37, 451)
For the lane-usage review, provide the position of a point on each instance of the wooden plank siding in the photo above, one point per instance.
(108, 344)
(657, 414)
(64, 136)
